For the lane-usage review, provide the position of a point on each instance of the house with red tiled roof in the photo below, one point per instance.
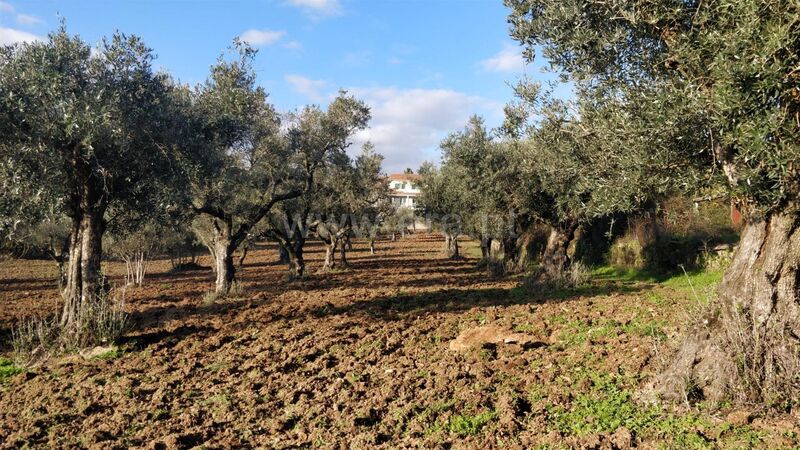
(404, 189)
(404, 192)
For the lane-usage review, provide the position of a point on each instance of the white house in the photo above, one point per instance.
(403, 189)
(404, 192)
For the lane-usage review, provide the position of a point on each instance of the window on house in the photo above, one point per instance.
(404, 184)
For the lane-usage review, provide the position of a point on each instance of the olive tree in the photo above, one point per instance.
(494, 190)
(443, 201)
(396, 220)
(88, 130)
(364, 196)
(347, 196)
(49, 236)
(241, 170)
(371, 202)
(318, 140)
(712, 88)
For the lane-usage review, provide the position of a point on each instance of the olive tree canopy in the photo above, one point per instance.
(87, 131)
(712, 87)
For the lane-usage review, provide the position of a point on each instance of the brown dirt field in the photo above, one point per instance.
(360, 358)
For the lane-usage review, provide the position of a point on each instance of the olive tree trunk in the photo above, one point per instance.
(83, 278)
(223, 264)
(510, 253)
(297, 264)
(451, 246)
(58, 250)
(330, 255)
(283, 254)
(748, 344)
(343, 252)
(243, 256)
(555, 258)
(486, 247)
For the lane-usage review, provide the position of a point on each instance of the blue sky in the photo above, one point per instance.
(423, 66)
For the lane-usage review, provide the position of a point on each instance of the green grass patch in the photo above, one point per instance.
(8, 369)
(605, 408)
(620, 274)
(699, 280)
(472, 251)
(526, 327)
(651, 328)
(577, 332)
(114, 353)
(607, 404)
(466, 425)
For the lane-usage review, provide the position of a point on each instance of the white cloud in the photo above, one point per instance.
(306, 86)
(6, 7)
(318, 7)
(507, 60)
(408, 124)
(262, 37)
(28, 20)
(293, 45)
(10, 36)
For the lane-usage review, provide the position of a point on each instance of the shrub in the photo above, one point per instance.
(542, 282)
(626, 252)
(102, 322)
(209, 298)
(8, 369)
(34, 339)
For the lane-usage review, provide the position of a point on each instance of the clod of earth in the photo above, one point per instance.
(489, 334)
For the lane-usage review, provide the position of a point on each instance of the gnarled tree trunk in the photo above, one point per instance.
(283, 253)
(297, 264)
(58, 251)
(486, 247)
(748, 345)
(243, 255)
(223, 264)
(510, 253)
(451, 246)
(555, 258)
(294, 256)
(83, 273)
(332, 236)
(343, 253)
(330, 255)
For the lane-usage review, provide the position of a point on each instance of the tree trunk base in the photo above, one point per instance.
(555, 259)
(747, 347)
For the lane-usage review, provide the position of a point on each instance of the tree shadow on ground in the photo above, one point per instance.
(457, 300)
(438, 285)
(264, 307)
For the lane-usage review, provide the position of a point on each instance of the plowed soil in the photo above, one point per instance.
(360, 358)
